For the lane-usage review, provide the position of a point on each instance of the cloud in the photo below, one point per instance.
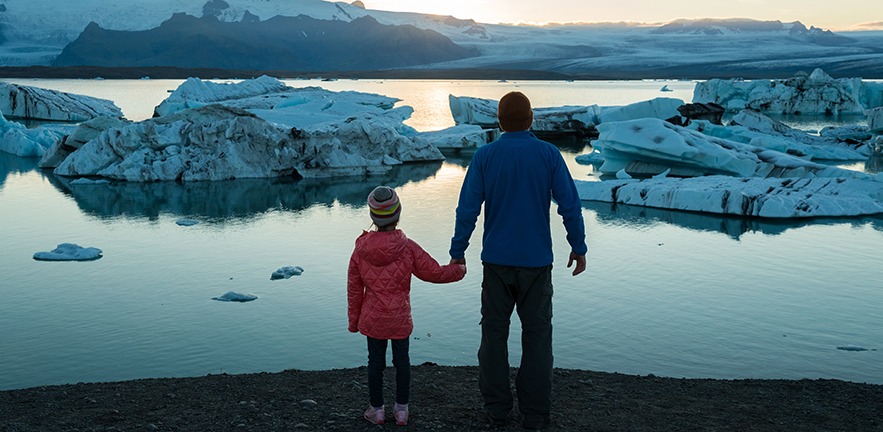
(869, 26)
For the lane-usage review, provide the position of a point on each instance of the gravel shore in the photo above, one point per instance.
(444, 398)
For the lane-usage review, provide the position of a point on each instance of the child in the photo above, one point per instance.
(378, 294)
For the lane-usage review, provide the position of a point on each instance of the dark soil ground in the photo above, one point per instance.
(444, 398)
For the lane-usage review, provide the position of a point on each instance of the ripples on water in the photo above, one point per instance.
(668, 293)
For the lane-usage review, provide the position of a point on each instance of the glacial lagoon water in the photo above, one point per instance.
(665, 293)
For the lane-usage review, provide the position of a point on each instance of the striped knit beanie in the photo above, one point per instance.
(384, 205)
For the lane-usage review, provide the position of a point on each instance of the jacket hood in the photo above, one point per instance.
(381, 247)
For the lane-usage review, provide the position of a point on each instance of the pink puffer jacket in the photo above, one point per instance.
(379, 282)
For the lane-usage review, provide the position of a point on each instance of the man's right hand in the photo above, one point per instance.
(580, 263)
(458, 261)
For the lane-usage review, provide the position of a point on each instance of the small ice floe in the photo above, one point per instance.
(663, 174)
(69, 252)
(186, 222)
(287, 272)
(622, 175)
(851, 348)
(87, 181)
(232, 296)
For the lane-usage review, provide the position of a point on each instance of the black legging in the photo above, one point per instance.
(377, 363)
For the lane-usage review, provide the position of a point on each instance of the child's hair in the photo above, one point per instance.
(384, 207)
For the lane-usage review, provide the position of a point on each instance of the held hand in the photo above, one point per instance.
(461, 262)
(580, 263)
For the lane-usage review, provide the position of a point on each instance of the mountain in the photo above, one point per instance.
(712, 27)
(300, 43)
(241, 33)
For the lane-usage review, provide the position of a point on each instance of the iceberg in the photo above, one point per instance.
(217, 142)
(564, 120)
(16, 139)
(575, 120)
(83, 133)
(816, 93)
(287, 272)
(69, 252)
(264, 93)
(232, 296)
(660, 108)
(875, 121)
(19, 101)
(461, 137)
(755, 197)
(651, 146)
(783, 143)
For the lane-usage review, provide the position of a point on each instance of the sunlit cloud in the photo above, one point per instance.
(869, 26)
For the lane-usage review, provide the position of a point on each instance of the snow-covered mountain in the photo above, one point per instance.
(34, 32)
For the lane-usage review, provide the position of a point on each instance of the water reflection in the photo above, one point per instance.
(241, 199)
(733, 227)
(874, 164)
(11, 164)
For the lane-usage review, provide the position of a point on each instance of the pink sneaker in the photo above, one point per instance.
(375, 415)
(401, 414)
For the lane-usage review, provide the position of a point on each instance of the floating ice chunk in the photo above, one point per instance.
(649, 146)
(16, 139)
(663, 174)
(801, 94)
(43, 104)
(186, 222)
(660, 108)
(287, 272)
(665, 88)
(578, 120)
(231, 296)
(622, 175)
(217, 142)
(758, 197)
(461, 137)
(87, 181)
(69, 252)
(592, 158)
(875, 121)
(267, 93)
(851, 348)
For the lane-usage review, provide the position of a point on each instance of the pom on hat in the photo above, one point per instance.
(514, 112)
(384, 205)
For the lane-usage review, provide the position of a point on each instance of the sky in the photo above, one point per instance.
(827, 14)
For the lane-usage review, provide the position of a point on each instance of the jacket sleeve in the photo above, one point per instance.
(569, 206)
(355, 293)
(468, 208)
(426, 268)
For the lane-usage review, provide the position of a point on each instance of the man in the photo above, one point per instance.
(516, 177)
